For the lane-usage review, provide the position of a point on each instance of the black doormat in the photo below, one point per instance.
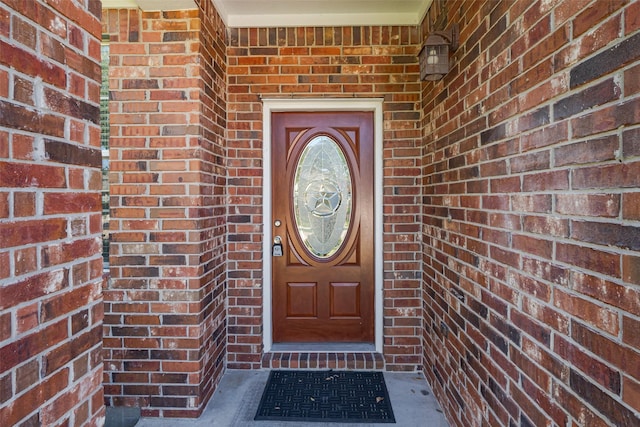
(326, 396)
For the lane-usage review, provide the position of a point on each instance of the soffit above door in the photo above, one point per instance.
(149, 5)
(290, 13)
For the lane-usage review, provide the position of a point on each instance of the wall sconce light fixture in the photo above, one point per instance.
(434, 56)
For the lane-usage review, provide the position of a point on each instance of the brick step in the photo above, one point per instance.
(323, 360)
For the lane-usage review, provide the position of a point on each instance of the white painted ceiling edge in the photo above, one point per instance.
(149, 5)
(296, 13)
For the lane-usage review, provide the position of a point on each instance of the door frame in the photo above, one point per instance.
(315, 105)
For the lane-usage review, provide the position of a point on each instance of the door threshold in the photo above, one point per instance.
(323, 347)
(323, 356)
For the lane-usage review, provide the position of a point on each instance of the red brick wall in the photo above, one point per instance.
(165, 319)
(325, 62)
(531, 206)
(50, 225)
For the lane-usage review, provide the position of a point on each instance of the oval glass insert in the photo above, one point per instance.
(322, 197)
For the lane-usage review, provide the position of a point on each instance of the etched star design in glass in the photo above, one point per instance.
(325, 201)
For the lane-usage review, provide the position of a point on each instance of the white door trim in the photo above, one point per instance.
(342, 104)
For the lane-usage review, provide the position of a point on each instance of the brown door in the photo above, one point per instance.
(323, 284)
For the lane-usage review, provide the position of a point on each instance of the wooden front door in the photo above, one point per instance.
(323, 213)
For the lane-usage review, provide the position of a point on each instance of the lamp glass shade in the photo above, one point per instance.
(434, 58)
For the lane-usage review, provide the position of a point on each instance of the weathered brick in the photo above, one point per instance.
(631, 269)
(27, 375)
(57, 203)
(626, 237)
(608, 292)
(590, 97)
(456, 253)
(79, 344)
(25, 261)
(530, 162)
(593, 150)
(631, 143)
(24, 204)
(29, 346)
(579, 175)
(593, 15)
(603, 374)
(609, 60)
(6, 387)
(630, 331)
(604, 262)
(29, 64)
(549, 407)
(632, 18)
(631, 392)
(608, 176)
(599, 205)
(63, 304)
(27, 232)
(612, 409)
(5, 25)
(61, 253)
(46, 102)
(5, 326)
(27, 318)
(71, 154)
(618, 356)
(182, 170)
(576, 405)
(621, 114)
(546, 181)
(606, 33)
(23, 91)
(35, 175)
(33, 398)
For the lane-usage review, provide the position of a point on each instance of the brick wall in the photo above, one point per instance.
(50, 264)
(325, 62)
(531, 215)
(165, 319)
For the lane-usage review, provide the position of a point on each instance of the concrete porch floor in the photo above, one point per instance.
(236, 400)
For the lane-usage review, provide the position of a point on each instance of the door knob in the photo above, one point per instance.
(277, 246)
(277, 223)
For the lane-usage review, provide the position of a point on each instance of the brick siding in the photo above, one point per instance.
(325, 62)
(531, 171)
(50, 264)
(165, 318)
(511, 202)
